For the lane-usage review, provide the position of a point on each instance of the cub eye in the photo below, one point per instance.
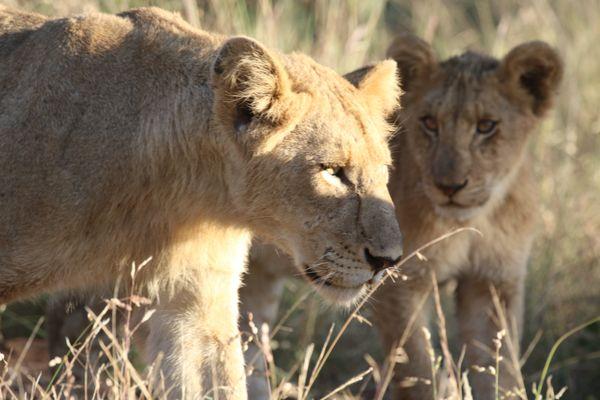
(429, 123)
(486, 126)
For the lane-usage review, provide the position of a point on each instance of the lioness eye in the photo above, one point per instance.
(430, 123)
(486, 126)
(337, 172)
(332, 170)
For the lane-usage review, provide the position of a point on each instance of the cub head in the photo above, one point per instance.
(313, 161)
(468, 118)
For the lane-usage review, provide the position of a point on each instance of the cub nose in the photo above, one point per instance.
(451, 189)
(379, 263)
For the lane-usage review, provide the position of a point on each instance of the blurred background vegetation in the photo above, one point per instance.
(564, 279)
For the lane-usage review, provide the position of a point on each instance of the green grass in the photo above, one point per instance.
(564, 278)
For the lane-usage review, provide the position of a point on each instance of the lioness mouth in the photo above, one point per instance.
(318, 280)
(313, 276)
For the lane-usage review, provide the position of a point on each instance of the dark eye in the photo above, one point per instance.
(429, 123)
(486, 126)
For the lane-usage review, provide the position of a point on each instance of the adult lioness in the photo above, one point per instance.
(130, 136)
(460, 160)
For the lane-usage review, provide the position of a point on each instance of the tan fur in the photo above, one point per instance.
(133, 136)
(499, 200)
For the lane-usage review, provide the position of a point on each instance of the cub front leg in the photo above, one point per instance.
(484, 310)
(193, 337)
(401, 312)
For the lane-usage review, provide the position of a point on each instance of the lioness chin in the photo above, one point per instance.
(130, 136)
(460, 160)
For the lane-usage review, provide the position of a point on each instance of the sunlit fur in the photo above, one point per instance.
(133, 136)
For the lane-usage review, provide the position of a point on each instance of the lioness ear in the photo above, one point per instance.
(378, 85)
(415, 58)
(536, 70)
(249, 82)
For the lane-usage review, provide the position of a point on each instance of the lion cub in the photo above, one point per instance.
(460, 161)
(124, 137)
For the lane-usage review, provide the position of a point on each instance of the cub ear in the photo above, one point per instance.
(414, 56)
(378, 86)
(535, 69)
(249, 82)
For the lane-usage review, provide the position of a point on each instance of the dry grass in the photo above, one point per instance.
(99, 364)
(565, 268)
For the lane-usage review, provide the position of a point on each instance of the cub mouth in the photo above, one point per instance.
(458, 211)
(454, 204)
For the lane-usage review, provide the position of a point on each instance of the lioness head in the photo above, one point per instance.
(314, 155)
(468, 118)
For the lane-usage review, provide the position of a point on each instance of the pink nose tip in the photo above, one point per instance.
(452, 189)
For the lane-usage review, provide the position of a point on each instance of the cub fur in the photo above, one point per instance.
(460, 160)
(124, 137)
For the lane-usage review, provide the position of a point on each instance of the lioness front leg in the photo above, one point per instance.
(193, 336)
(480, 322)
(401, 312)
(260, 296)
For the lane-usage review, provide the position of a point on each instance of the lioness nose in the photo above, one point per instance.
(451, 189)
(379, 263)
